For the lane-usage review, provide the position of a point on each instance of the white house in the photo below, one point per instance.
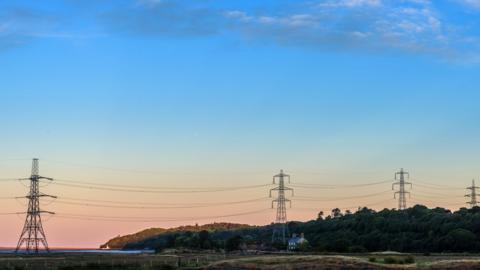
(296, 241)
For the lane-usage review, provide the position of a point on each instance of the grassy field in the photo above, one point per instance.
(332, 262)
(212, 261)
(67, 261)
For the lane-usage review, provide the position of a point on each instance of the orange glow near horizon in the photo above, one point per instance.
(64, 230)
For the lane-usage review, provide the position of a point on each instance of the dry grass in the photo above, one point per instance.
(314, 262)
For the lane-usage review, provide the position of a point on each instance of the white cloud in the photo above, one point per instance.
(387, 26)
(413, 26)
(350, 3)
(471, 3)
(149, 3)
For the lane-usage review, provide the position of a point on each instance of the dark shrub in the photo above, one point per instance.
(409, 260)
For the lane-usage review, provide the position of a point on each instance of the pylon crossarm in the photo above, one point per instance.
(37, 196)
(289, 189)
(50, 196)
(46, 178)
(35, 212)
(273, 189)
(274, 201)
(289, 201)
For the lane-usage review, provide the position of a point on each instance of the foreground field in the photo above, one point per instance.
(317, 262)
(215, 261)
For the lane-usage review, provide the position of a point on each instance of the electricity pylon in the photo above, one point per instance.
(280, 229)
(32, 234)
(473, 194)
(402, 200)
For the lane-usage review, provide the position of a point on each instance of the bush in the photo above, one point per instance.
(372, 259)
(233, 243)
(163, 267)
(303, 247)
(390, 260)
(409, 259)
(399, 260)
(357, 249)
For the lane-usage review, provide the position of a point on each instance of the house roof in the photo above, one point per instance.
(296, 240)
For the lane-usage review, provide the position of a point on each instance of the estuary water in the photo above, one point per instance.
(100, 251)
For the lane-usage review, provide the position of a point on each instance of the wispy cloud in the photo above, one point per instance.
(471, 3)
(159, 18)
(22, 25)
(351, 24)
(15, 27)
(350, 3)
(410, 26)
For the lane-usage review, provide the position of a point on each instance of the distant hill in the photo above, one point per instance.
(417, 229)
(120, 242)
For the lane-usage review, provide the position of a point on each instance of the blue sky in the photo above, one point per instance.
(227, 93)
(242, 85)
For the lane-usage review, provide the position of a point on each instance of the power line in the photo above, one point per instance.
(152, 207)
(150, 219)
(106, 168)
(330, 172)
(435, 197)
(6, 214)
(305, 198)
(133, 190)
(7, 179)
(178, 204)
(432, 193)
(349, 207)
(316, 186)
(435, 203)
(148, 187)
(433, 186)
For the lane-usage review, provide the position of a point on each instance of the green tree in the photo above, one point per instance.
(204, 238)
(233, 243)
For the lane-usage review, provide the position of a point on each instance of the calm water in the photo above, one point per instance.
(103, 251)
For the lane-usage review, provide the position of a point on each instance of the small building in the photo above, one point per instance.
(296, 242)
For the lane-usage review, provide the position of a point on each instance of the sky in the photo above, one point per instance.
(219, 96)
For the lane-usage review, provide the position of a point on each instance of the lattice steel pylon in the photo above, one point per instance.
(32, 234)
(473, 194)
(402, 199)
(280, 229)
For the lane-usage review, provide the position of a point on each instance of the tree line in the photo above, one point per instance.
(417, 229)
